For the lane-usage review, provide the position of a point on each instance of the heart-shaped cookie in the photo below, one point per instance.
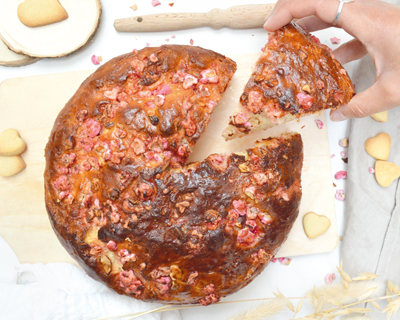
(386, 172)
(380, 116)
(10, 143)
(11, 165)
(314, 225)
(37, 13)
(378, 146)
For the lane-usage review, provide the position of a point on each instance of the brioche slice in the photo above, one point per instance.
(295, 76)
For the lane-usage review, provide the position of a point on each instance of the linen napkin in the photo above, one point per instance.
(371, 241)
(61, 291)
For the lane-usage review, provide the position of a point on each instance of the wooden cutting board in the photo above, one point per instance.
(31, 105)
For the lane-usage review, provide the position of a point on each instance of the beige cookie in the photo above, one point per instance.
(37, 13)
(381, 116)
(11, 165)
(378, 146)
(386, 172)
(10, 143)
(314, 225)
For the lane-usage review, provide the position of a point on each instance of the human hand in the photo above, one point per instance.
(374, 24)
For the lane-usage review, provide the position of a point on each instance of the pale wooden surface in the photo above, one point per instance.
(31, 105)
(9, 58)
(237, 17)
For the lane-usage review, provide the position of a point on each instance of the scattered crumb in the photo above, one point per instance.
(335, 40)
(371, 170)
(344, 142)
(302, 127)
(341, 238)
(155, 3)
(167, 40)
(262, 49)
(319, 123)
(191, 41)
(345, 160)
(171, 4)
(147, 44)
(333, 155)
(285, 261)
(274, 260)
(334, 184)
(329, 278)
(285, 157)
(95, 59)
(343, 154)
(339, 195)
(341, 175)
(173, 36)
(134, 7)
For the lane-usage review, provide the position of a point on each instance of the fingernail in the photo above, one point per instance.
(266, 22)
(337, 115)
(268, 15)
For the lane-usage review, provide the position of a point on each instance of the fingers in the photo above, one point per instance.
(287, 10)
(276, 6)
(377, 98)
(350, 51)
(313, 23)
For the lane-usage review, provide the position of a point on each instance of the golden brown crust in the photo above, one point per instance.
(126, 208)
(295, 76)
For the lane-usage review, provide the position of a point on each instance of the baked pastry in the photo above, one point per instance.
(295, 76)
(124, 204)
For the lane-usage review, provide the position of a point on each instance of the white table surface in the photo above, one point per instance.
(304, 271)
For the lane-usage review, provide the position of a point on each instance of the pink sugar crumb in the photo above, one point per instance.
(329, 278)
(340, 175)
(95, 59)
(274, 260)
(191, 42)
(371, 170)
(319, 123)
(147, 44)
(167, 40)
(343, 154)
(339, 195)
(335, 40)
(173, 36)
(262, 49)
(333, 155)
(155, 3)
(285, 261)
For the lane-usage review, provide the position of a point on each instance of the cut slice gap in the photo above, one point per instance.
(294, 77)
(123, 149)
(55, 40)
(9, 58)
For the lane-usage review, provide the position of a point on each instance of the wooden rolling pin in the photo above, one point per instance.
(237, 17)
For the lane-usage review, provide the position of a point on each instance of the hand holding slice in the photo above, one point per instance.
(295, 76)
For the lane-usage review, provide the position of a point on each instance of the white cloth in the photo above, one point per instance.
(61, 291)
(371, 241)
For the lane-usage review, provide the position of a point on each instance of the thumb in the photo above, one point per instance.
(377, 98)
